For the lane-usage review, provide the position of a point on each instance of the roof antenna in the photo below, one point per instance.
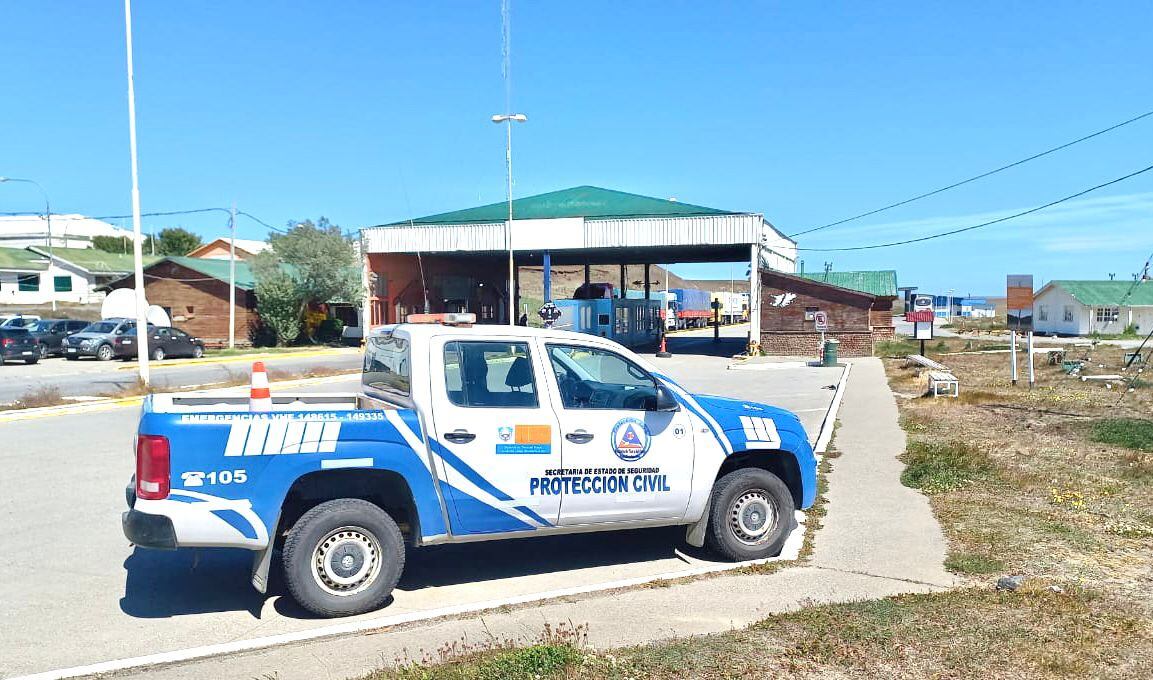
(419, 259)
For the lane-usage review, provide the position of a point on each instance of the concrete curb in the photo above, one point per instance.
(240, 358)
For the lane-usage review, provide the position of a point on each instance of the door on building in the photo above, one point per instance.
(634, 462)
(496, 432)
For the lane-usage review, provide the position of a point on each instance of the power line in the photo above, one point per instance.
(976, 177)
(983, 224)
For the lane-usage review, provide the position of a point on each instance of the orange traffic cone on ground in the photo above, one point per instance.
(663, 352)
(259, 396)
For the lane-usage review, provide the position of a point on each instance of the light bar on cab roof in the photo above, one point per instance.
(450, 319)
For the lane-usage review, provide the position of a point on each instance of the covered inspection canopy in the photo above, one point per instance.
(581, 225)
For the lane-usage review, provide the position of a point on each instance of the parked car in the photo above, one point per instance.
(162, 342)
(18, 343)
(50, 334)
(96, 339)
(18, 320)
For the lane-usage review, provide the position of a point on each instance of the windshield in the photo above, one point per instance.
(43, 326)
(101, 327)
(17, 322)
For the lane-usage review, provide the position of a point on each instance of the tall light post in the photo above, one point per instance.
(508, 120)
(141, 305)
(48, 218)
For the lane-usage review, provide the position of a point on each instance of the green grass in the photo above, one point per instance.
(972, 563)
(896, 348)
(937, 467)
(1131, 433)
(528, 663)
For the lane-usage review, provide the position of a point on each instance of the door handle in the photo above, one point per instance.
(459, 436)
(579, 437)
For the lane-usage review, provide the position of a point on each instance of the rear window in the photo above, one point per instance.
(102, 327)
(14, 332)
(387, 366)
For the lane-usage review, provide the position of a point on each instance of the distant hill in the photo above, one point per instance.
(566, 279)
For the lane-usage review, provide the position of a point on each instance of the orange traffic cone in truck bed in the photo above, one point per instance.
(259, 396)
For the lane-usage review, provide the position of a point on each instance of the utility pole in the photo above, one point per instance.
(232, 277)
(137, 240)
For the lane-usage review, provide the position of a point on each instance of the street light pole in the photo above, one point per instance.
(141, 304)
(508, 120)
(48, 218)
(232, 278)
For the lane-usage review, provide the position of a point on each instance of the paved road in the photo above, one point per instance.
(74, 592)
(93, 378)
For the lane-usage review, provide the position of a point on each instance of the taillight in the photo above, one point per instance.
(152, 467)
(6, 341)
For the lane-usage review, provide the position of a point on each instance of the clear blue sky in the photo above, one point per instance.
(807, 112)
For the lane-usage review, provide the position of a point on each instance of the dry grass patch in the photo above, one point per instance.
(37, 398)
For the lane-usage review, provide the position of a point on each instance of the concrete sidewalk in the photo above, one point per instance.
(878, 539)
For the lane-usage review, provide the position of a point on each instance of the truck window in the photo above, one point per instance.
(591, 378)
(489, 374)
(386, 366)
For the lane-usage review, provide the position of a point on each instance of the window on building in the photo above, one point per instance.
(1068, 313)
(1108, 314)
(28, 282)
(1042, 312)
(62, 284)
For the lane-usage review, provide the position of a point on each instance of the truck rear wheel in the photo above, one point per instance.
(343, 557)
(750, 516)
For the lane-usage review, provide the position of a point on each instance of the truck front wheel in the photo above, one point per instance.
(343, 557)
(750, 516)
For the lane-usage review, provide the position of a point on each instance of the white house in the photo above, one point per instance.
(1084, 307)
(29, 277)
(68, 231)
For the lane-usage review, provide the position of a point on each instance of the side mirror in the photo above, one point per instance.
(665, 401)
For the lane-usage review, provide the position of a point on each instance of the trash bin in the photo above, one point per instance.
(829, 352)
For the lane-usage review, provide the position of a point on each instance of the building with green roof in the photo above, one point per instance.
(882, 283)
(1077, 307)
(463, 254)
(35, 275)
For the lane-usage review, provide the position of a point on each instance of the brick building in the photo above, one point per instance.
(194, 292)
(859, 307)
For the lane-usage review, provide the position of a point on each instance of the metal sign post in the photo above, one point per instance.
(1013, 356)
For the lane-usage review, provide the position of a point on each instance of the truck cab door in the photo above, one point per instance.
(624, 460)
(495, 432)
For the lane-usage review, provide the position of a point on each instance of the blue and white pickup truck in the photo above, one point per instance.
(462, 433)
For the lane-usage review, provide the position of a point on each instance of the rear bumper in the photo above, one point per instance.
(148, 531)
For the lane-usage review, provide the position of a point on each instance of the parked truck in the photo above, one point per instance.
(461, 433)
(694, 307)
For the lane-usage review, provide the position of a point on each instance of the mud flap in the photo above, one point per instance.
(695, 534)
(261, 563)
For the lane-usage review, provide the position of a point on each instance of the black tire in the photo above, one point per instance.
(104, 353)
(43, 351)
(353, 524)
(32, 360)
(71, 357)
(759, 492)
(158, 354)
(197, 352)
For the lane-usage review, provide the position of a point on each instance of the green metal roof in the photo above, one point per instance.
(881, 283)
(1108, 293)
(586, 201)
(218, 269)
(22, 260)
(99, 261)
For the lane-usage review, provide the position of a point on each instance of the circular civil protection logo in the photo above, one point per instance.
(631, 439)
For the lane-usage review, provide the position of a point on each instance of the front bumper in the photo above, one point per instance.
(148, 531)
